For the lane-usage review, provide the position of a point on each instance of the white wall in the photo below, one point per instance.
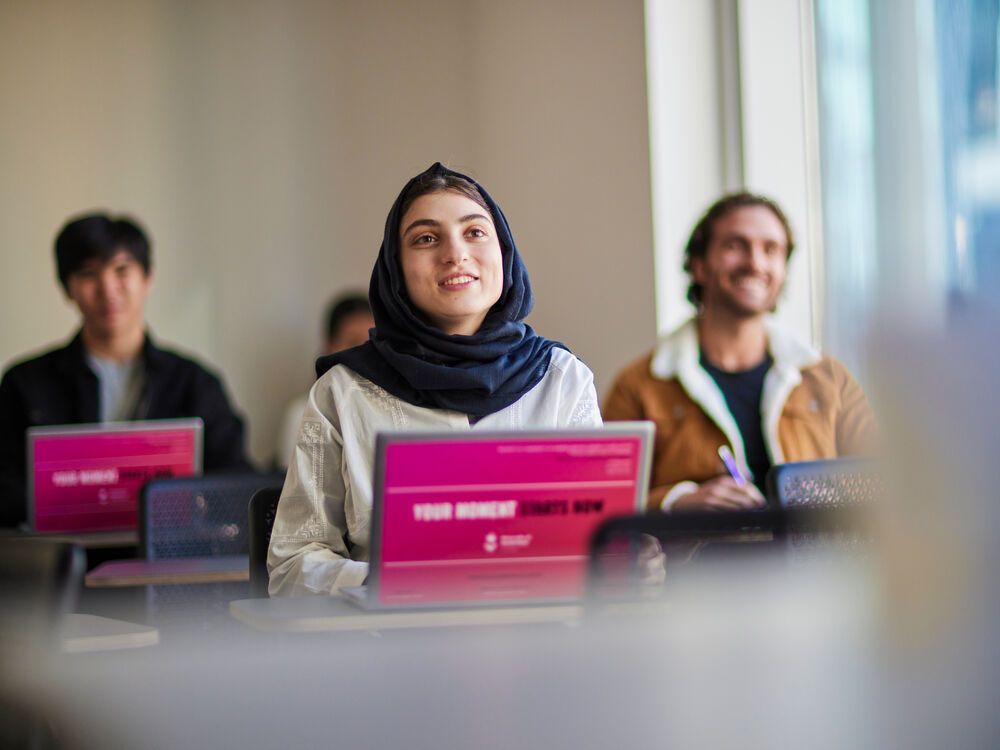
(261, 143)
(563, 142)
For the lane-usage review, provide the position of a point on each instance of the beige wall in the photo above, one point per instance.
(261, 143)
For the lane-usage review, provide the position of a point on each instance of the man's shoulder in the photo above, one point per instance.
(636, 371)
(827, 366)
(175, 364)
(638, 383)
(829, 374)
(39, 364)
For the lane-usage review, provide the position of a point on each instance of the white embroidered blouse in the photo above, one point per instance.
(320, 538)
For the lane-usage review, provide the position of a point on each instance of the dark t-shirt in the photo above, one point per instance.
(742, 391)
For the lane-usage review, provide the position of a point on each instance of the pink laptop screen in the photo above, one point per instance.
(510, 519)
(90, 481)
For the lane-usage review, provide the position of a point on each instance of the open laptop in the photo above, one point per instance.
(496, 518)
(87, 478)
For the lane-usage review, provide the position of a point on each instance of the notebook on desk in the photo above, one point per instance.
(87, 478)
(496, 518)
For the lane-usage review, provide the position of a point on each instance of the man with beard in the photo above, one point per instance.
(730, 378)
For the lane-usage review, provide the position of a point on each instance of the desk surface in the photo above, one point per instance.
(181, 570)
(84, 633)
(332, 613)
(93, 540)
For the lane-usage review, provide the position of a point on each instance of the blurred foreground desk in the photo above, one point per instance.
(81, 633)
(171, 592)
(170, 571)
(313, 614)
(758, 641)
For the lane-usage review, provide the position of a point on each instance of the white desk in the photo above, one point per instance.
(85, 633)
(332, 613)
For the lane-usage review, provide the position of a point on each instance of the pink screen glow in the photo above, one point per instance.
(92, 482)
(498, 519)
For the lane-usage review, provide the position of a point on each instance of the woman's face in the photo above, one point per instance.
(451, 260)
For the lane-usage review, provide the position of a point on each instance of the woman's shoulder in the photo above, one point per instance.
(350, 401)
(343, 375)
(565, 363)
(336, 385)
(569, 387)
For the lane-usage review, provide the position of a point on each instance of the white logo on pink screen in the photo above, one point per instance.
(490, 543)
(506, 542)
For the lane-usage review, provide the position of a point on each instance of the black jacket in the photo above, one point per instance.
(59, 387)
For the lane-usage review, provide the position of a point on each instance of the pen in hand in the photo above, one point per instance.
(734, 471)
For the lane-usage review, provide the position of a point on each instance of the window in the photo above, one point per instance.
(910, 160)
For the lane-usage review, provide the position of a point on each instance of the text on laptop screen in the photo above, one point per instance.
(90, 481)
(486, 519)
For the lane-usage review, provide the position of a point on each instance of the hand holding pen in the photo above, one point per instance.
(730, 463)
(730, 491)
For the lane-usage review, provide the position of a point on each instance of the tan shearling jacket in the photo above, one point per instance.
(811, 408)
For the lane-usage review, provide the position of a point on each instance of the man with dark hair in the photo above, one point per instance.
(348, 320)
(730, 377)
(111, 370)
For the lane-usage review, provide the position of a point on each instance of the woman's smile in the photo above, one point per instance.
(459, 281)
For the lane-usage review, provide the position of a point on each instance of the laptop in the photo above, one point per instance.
(87, 478)
(496, 518)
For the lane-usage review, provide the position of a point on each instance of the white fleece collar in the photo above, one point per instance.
(677, 355)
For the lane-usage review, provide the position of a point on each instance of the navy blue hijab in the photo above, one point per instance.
(424, 366)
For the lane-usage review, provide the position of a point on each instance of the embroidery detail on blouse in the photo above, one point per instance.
(386, 401)
(583, 413)
(317, 466)
(311, 529)
(311, 433)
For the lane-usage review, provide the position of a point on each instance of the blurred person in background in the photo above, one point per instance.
(111, 370)
(450, 351)
(348, 321)
(731, 377)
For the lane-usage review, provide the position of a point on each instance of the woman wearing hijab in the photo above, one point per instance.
(449, 351)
